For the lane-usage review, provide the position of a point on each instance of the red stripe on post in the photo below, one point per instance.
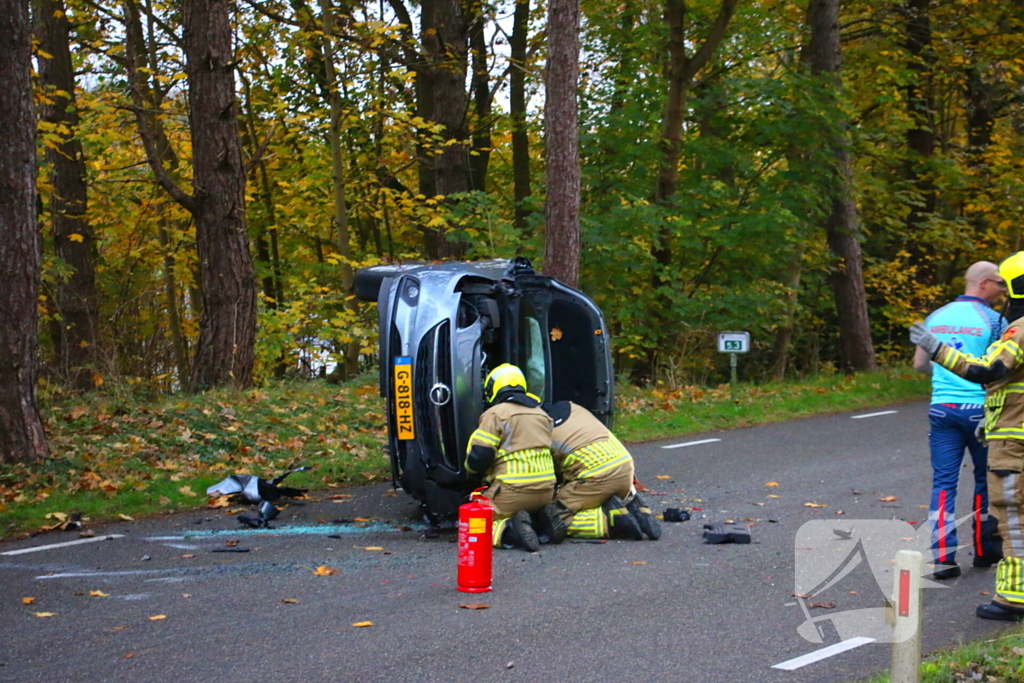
(904, 597)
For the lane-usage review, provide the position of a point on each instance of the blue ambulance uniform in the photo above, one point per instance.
(970, 325)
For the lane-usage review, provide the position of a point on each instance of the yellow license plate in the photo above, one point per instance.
(403, 398)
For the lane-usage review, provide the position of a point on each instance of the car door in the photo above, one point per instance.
(563, 346)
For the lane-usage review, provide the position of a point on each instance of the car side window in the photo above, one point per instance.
(531, 350)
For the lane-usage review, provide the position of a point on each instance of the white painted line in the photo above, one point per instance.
(823, 653)
(62, 545)
(691, 443)
(78, 575)
(884, 412)
(165, 538)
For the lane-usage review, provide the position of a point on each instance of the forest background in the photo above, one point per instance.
(733, 174)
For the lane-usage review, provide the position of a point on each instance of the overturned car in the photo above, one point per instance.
(443, 328)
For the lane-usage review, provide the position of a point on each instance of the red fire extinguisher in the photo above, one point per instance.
(475, 520)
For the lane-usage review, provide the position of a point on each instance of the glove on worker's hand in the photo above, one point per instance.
(979, 433)
(920, 335)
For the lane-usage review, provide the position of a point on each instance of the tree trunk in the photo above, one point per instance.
(481, 87)
(822, 55)
(562, 206)
(21, 429)
(517, 110)
(921, 135)
(227, 328)
(72, 236)
(350, 367)
(447, 53)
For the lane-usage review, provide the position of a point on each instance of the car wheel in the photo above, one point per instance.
(366, 283)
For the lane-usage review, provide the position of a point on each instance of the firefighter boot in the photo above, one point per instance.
(519, 533)
(648, 522)
(549, 525)
(621, 522)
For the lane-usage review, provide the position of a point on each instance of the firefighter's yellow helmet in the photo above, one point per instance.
(504, 376)
(1012, 270)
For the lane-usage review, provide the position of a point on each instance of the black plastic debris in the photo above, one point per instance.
(727, 533)
(256, 490)
(675, 515)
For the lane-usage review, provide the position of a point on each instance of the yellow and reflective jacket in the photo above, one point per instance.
(520, 437)
(582, 447)
(1004, 395)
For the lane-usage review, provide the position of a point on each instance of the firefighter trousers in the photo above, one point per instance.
(580, 500)
(1006, 504)
(507, 500)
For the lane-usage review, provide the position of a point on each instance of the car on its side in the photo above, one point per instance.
(443, 328)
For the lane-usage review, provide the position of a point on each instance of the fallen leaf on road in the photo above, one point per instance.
(923, 507)
(984, 593)
(888, 499)
(221, 502)
(118, 629)
(800, 595)
(232, 543)
(641, 562)
(186, 595)
(127, 518)
(373, 547)
(98, 594)
(361, 519)
(814, 505)
(340, 495)
(772, 483)
(363, 624)
(129, 655)
(45, 614)
(770, 495)
(823, 605)
(158, 617)
(188, 556)
(510, 665)
(324, 570)
(662, 476)
(474, 605)
(840, 512)
(290, 601)
(853, 592)
(27, 601)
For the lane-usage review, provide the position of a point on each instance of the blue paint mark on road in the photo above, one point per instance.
(315, 530)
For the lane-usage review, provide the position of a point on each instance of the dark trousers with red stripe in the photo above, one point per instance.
(952, 432)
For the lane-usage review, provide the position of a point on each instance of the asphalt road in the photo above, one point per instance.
(672, 610)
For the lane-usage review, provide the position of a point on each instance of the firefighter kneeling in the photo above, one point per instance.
(511, 451)
(596, 498)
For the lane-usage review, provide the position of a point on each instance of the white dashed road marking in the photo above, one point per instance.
(691, 443)
(823, 653)
(37, 548)
(884, 412)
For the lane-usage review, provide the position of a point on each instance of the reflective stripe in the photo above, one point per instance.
(530, 465)
(1008, 580)
(940, 527)
(485, 437)
(598, 457)
(589, 524)
(1012, 513)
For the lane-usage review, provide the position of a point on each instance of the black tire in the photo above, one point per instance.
(366, 283)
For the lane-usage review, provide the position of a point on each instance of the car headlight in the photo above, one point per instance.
(412, 291)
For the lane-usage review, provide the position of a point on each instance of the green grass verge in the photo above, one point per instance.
(996, 660)
(117, 455)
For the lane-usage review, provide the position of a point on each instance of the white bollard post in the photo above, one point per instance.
(906, 610)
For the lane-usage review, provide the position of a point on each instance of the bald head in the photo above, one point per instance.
(983, 281)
